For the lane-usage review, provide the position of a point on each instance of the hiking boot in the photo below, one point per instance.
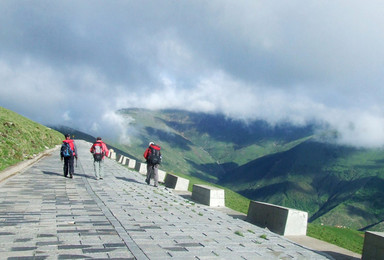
(147, 181)
(71, 176)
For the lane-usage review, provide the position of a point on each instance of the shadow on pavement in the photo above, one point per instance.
(128, 179)
(62, 175)
(339, 256)
(53, 173)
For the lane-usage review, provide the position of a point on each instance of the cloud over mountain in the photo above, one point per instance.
(75, 62)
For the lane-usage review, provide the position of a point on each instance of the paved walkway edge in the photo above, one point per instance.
(325, 248)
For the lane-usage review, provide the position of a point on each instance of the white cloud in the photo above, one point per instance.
(66, 116)
(296, 61)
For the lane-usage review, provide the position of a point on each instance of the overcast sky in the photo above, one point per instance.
(76, 62)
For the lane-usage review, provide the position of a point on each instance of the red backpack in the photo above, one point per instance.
(98, 152)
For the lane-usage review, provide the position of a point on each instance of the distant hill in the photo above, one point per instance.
(21, 138)
(337, 185)
(284, 165)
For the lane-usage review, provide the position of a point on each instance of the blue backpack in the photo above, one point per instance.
(66, 150)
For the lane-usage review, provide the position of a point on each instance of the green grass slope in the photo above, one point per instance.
(343, 237)
(21, 138)
(339, 186)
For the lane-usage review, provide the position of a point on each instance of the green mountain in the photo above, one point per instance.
(284, 164)
(337, 185)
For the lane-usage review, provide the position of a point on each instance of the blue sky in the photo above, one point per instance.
(76, 62)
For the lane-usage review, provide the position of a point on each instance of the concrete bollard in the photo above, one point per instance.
(373, 246)
(131, 163)
(162, 175)
(120, 158)
(141, 168)
(208, 195)
(175, 182)
(110, 153)
(281, 220)
(113, 155)
(124, 161)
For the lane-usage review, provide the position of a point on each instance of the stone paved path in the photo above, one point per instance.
(46, 216)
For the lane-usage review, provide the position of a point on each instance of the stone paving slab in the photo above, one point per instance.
(46, 216)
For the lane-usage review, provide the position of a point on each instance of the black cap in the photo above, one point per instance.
(67, 135)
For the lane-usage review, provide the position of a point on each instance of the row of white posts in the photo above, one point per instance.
(280, 220)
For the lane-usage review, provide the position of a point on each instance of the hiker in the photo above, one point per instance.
(153, 157)
(68, 152)
(99, 150)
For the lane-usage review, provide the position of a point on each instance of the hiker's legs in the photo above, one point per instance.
(66, 166)
(96, 167)
(101, 168)
(149, 173)
(156, 175)
(71, 167)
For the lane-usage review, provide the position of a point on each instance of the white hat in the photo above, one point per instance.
(150, 143)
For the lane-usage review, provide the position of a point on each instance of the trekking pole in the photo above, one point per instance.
(76, 162)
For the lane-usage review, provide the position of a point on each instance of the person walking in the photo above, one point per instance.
(152, 156)
(99, 150)
(68, 152)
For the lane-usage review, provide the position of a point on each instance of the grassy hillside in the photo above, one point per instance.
(339, 186)
(343, 237)
(21, 138)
